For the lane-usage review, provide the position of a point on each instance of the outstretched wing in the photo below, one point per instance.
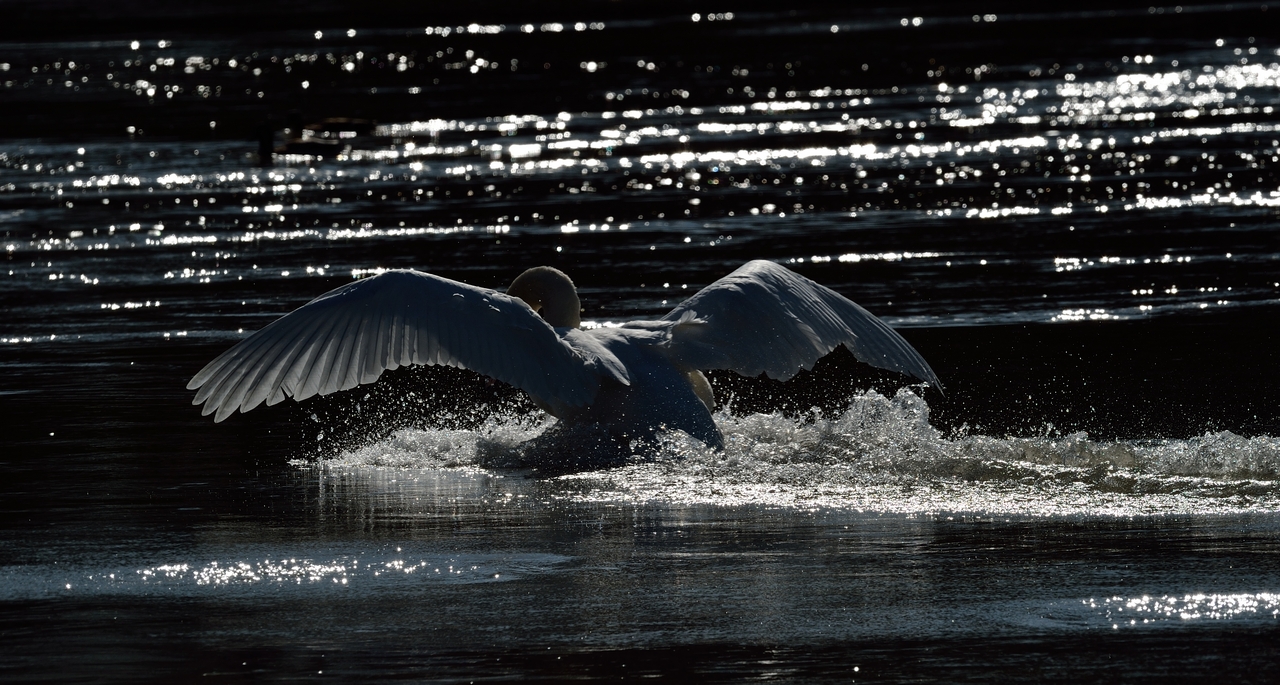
(766, 318)
(350, 335)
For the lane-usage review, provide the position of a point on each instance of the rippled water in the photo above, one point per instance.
(1071, 212)
(1122, 185)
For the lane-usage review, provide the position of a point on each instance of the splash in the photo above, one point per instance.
(490, 445)
(881, 454)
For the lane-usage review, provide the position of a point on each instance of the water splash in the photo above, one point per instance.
(882, 454)
(443, 449)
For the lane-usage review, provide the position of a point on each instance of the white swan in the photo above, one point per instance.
(630, 381)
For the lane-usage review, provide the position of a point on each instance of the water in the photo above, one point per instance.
(1069, 212)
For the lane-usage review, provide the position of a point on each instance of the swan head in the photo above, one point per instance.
(549, 292)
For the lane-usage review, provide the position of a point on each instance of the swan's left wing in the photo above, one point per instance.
(350, 335)
(765, 318)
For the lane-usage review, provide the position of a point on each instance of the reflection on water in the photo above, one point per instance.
(237, 574)
(1145, 609)
(380, 551)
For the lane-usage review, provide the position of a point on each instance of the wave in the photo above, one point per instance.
(882, 454)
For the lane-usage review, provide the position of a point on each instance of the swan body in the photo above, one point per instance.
(658, 394)
(628, 381)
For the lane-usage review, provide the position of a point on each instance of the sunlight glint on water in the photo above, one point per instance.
(1157, 136)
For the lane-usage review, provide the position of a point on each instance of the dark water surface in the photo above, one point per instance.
(1071, 213)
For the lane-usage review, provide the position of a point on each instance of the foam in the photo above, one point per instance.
(882, 454)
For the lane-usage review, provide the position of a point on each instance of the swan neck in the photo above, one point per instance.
(549, 292)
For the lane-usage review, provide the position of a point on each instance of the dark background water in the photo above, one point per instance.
(140, 241)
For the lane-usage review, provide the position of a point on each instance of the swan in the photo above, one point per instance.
(625, 382)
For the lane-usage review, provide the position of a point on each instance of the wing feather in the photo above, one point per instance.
(400, 344)
(236, 382)
(312, 350)
(765, 318)
(222, 379)
(314, 374)
(350, 335)
(428, 334)
(276, 362)
(372, 364)
(337, 354)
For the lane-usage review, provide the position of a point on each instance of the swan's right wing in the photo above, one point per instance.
(765, 318)
(350, 335)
